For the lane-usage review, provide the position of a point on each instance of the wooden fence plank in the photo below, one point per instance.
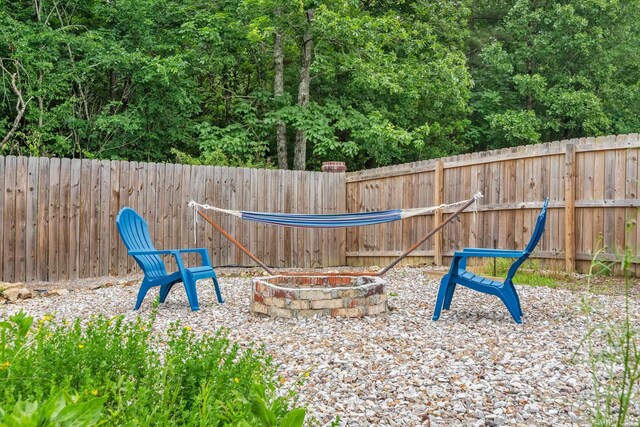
(316, 207)
(3, 190)
(190, 194)
(11, 171)
(238, 225)
(21, 219)
(286, 202)
(248, 194)
(168, 183)
(84, 267)
(32, 220)
(328, 207)
(438, 200)
(253, 227)
(224, 220)
(631, 193)
(117, 248)
(198, 186)
(186, 230)
(93, 220)
(598, 194)
(302, 207)
(636, 249)
(271, 206)
(136, 201)
(64, 233)
(213, 237)
(123, 197)
(589, 243)
(74, 219)
(173, 186)
(54, 220)
(569, 212)
(104, 226)
(341, 233)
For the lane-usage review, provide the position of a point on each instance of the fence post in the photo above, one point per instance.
(439, 199)
(570, 207)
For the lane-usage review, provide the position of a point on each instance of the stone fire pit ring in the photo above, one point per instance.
(308, 296)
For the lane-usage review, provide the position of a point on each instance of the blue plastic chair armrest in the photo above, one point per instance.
(203, 253)
(489, 253)
(176, 253)
(151, 252)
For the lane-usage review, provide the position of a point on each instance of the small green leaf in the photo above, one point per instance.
(81, 414)
(294, 418)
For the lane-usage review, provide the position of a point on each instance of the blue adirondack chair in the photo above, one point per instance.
(458, 274)
(134, 232)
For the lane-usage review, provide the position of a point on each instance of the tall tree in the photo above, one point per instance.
(278, 92)
(300, 147)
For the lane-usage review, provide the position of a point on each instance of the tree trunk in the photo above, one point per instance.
(40, 101)
(278, 90)
(21, 107)
(112, 91)
(300, 148)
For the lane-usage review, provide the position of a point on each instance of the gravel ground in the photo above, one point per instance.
(474, 366)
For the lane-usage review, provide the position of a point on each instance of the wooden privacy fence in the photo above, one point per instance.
(58, 215)
(592, 184)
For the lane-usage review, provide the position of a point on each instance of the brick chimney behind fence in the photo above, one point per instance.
(334, 167)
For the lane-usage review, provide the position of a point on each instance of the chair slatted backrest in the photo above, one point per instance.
(533, 242)
(134, 232)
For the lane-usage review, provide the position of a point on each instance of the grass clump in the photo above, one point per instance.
(116, 372)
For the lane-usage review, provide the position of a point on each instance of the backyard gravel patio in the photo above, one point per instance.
(474, 366)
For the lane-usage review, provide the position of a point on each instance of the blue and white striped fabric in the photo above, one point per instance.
(323, 220)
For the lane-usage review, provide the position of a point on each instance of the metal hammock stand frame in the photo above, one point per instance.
(380, 273)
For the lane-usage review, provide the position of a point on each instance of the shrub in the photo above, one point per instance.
(131, 376)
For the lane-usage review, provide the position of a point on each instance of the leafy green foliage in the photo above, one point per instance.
(391, 82)
(57, 410)
(547, 70)
(119, 372)
(193, 80)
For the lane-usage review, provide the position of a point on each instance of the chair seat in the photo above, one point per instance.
(478, 280)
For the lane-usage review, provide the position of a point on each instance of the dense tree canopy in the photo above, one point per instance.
(548, 70)
(292, 84)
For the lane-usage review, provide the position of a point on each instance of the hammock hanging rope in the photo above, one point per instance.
(330, 220)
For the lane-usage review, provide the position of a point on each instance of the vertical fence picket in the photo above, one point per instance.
(21, 220)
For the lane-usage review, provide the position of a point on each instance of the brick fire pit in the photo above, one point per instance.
(305, 296)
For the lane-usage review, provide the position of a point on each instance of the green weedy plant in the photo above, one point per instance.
(118, 372)
(59, 410)
(614, 347)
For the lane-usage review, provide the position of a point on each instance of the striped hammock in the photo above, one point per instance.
(330, 220)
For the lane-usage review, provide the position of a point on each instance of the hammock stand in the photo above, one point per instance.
(299, 220)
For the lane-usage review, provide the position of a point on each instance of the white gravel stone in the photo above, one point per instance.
(474, 366)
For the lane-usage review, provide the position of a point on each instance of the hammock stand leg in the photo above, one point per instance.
(235, 242)
(424, 239)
